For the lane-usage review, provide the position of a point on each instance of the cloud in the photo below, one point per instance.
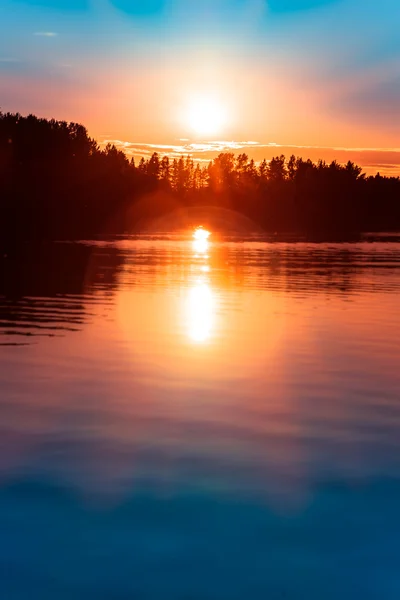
(48, 34)
(372, 160)
(200, 150)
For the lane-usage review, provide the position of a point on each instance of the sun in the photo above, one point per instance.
(206, 115)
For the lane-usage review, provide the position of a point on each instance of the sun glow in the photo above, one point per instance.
(200, 311)
(206, 115)
(201, 300)
(200, 240)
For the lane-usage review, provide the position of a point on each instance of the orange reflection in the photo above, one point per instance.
(200, 240)
(201, 300)
(200, 311)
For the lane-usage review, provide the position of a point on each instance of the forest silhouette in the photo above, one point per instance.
(56, 182)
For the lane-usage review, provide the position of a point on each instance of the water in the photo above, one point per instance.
(200, 422)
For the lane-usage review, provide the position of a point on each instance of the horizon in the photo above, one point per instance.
(204, 153)
(314, 78)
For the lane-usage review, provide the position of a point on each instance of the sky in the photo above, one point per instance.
(316, 78)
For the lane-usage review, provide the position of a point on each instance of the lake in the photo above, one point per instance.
(194, 420)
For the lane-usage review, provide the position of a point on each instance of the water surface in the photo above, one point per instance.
(194, 421)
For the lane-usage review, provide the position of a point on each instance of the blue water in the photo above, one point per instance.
(191, 423)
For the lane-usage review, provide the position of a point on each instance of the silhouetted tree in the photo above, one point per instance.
(55, 181)
(277, 168)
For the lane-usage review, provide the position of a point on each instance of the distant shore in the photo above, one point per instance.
(56, 183)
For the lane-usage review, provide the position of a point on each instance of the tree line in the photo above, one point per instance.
(56, 181)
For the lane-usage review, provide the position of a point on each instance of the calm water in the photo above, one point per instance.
(191, 422)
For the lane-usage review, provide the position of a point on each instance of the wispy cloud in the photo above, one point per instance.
(192, 148)
(9, 60)
(48, 34)
(385, 160)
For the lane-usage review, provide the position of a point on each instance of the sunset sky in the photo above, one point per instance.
(318, 78)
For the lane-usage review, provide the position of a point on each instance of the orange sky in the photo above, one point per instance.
(313, 77)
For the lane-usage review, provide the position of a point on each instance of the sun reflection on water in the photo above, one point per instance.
(201, 299)
(200, 241)
(201, 310)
